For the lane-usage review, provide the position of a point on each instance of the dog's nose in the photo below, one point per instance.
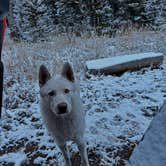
(62, 107)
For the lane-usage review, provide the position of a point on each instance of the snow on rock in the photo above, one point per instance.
(120, 64)
(152, 151)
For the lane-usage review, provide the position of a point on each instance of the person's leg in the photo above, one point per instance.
(1, 67)
(1, 31)
(4, 8)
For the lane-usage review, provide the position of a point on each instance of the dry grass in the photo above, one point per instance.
(27, 57)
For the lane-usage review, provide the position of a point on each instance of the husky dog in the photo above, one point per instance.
(62, 110)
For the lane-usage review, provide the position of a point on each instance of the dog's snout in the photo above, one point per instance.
(62, 107)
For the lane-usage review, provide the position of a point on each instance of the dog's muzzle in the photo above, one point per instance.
(62, 108)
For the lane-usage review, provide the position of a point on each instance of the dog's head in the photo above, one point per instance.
(57, 92)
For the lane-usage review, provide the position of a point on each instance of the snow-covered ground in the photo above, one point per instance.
(118, 109)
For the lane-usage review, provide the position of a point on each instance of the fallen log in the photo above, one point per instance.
(120, 64)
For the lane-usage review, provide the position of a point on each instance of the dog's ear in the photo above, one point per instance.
(67, 72)
(44, 75)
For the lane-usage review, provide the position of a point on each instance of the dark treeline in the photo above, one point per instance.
(36, 18)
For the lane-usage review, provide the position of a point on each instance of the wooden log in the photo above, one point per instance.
(120, 64)
(151, 151)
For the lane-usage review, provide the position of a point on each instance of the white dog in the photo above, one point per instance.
(62, 110)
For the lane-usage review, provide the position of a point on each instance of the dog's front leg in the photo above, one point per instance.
(65, 153)
(83, 153)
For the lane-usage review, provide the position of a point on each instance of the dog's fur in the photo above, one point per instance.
(62, 110)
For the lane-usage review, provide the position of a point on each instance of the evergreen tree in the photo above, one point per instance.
(97, 14)
(155, 11)
(69, 13)
(52, 11)
(127, 10)
(36, 18)
(31, 19)
(14, 31)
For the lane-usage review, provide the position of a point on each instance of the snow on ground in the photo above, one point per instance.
(118, 112)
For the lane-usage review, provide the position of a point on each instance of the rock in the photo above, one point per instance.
(151, 150)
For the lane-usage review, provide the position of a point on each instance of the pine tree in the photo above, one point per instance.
(52, 11)
(31, 19)
(14, 32)
(97, 14)
(155, 11)
(69, 14)
(127, 10)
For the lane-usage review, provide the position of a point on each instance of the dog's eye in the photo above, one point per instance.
(67, 91)
(51, 93)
